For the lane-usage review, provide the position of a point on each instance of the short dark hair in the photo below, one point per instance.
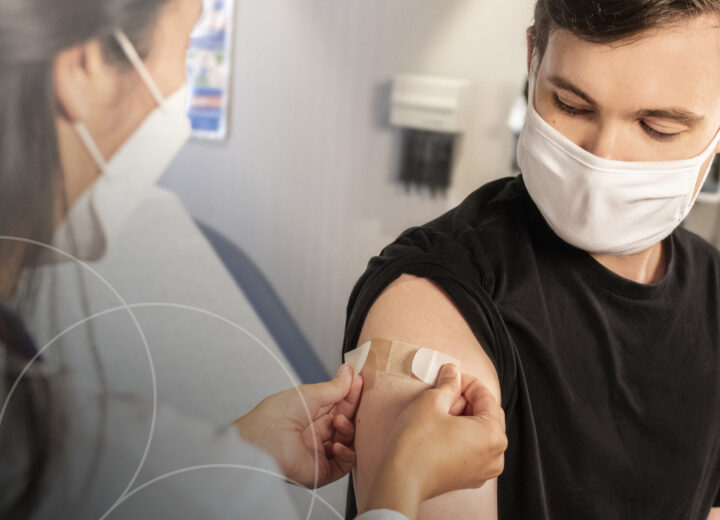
(608, 21)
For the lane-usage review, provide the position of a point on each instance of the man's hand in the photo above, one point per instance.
(451, 437)
(280, 426)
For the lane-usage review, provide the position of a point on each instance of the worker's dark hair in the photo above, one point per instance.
(32, 34)
(608, 21)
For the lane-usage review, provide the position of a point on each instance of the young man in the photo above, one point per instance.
(570, 291)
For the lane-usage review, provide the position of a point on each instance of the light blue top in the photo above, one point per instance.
(181, 351)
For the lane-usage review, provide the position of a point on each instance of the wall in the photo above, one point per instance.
(306, 181)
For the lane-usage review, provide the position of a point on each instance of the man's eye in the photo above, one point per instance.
(660, 136)
(568, 109)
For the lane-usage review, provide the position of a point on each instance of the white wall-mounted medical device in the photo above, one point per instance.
(431, 103)
(433, 113)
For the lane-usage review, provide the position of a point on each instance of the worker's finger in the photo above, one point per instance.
(323, 427)
(322, 396)
(459, 406)
(480, 399)
(448, 386)
(344, 430)
(348, 406)
(344, 460)
(328, 448)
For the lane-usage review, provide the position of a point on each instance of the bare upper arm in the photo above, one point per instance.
(714, 514)
(414, 310)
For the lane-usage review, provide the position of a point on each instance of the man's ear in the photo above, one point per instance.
(530, 46)
(81, 79)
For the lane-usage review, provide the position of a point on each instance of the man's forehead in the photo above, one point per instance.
(676, 65)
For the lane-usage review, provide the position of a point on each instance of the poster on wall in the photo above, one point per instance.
(209, 70)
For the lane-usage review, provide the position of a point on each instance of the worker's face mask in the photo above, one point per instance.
(156, 141)
(600, 205)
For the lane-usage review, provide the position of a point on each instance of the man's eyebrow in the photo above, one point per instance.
(676, 114)
(566, 85)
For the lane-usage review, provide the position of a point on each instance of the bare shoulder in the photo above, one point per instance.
(415, 310)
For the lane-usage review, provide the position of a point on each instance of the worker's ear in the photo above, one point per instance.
(83, 81)
(530, 46)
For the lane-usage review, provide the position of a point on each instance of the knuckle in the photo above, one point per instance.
(486, 402)
(500, 466)
(498, 441)
(502, 442)
(497, 412)
(496, 467)
(478, 482)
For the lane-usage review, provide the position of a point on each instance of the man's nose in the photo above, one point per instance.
(604, 141)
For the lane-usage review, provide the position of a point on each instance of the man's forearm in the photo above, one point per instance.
(396, 490)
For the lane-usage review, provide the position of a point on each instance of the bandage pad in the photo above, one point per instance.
(399, 359)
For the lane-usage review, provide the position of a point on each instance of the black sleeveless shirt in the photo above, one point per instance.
(611, 388)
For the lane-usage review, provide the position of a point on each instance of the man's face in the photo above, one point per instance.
(654, 99)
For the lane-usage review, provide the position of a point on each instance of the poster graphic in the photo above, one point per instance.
(209, 70)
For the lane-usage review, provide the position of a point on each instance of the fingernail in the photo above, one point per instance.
(449, 371)
(343, 369)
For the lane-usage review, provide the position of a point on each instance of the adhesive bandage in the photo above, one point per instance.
(400, 359)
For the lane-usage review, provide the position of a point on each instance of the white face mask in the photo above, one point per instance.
(600, 205)
(143, 157)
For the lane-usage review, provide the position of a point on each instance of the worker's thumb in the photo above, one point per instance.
(480, 399)
(333, 391)
(448, 385)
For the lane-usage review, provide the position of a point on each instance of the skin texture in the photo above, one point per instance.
(672, 67)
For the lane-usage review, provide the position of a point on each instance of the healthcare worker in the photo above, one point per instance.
(91, 108)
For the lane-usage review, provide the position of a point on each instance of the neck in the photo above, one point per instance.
(646, 267)
(79, 169)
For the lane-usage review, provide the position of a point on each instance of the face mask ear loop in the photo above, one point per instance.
(137, 62)
(534, 63)
(693, 199)
(90, 146)
(710, 151)
(532, 78)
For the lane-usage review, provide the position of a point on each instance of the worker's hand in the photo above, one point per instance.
(450, 437)
(280, 426)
